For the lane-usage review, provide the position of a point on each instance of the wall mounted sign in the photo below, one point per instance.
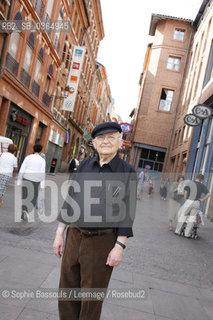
(191, 120)
(126, 127)
(202, 111)
(73, 78)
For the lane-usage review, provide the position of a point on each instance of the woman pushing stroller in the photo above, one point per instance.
(188, 212)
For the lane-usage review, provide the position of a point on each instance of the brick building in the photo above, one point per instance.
(87, 30)
(34, 74)
(177, 75)
(30, 64)
(160, 81)
(191, 150)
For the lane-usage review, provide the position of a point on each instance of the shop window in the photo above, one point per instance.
(153, 158)
(179, 34)
(173, 63)
(166, 100)
(40, 132)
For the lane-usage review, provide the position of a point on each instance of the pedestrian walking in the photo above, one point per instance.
(164, 189)
(8, 165)
(142, 178)
(73, 165)
(193, 192)
(151, 186)
(31, 176)
(176, 197)
(93, 249)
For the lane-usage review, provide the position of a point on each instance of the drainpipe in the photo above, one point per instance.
(178, 99)
(6, 36)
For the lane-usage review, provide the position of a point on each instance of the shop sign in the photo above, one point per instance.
(126, 127)
(191, 120)
(56, 138)
(15, 116)
(126, 143)
(202, 111)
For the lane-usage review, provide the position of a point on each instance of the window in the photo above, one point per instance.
(27, 58)
(28, 53)
(179, 34)
(173, 63)
(153, 158)
(209, 67)
(14, 41)
(41, 54)
(47, 86)
(37, 71)
(49, 8)
(166, 100)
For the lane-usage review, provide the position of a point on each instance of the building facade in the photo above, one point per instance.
(87, 31)
(33, 79)
(177, 76)
(192, 149)
(29, 68)
(160, 81)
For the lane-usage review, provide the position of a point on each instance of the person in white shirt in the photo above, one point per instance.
(8, 165)
(31, 175)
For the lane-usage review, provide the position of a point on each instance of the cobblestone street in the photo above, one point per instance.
(176, 273)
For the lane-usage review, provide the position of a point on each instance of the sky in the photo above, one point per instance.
(122, 51)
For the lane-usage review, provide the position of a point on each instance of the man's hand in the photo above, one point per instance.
(115, 256)
(58, 245)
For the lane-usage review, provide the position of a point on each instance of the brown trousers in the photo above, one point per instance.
(84, 266)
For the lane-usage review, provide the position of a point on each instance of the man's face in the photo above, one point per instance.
(108, 143)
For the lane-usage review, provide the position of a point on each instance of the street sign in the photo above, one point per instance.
(202, 111)
(192, 120)
(126, 127)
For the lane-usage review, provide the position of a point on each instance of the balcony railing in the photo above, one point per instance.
(35, 88)
(46, 99)
(12, 64)
(39, 8)
(25, 78)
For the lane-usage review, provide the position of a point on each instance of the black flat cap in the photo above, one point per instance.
(105, 127)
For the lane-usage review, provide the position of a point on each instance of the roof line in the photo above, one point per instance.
(155, 18)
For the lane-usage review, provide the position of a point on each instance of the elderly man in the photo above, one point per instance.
(92, 249)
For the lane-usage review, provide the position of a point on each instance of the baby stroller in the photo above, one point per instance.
(198, 220)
